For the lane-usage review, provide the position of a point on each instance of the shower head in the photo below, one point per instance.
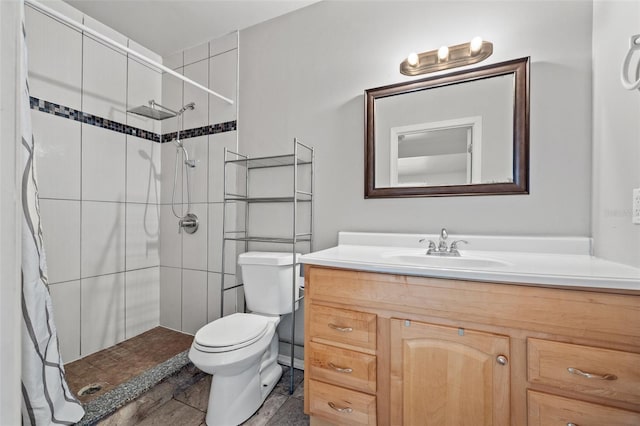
(159, 113)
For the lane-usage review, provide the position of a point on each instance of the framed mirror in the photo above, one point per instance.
(464, 133)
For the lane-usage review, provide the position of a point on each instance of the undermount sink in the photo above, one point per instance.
(422, 259)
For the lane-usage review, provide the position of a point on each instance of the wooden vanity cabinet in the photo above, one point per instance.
(401, 350)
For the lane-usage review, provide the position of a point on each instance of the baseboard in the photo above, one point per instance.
(286, 360)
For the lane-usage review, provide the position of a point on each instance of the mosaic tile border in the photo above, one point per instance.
(94, 120)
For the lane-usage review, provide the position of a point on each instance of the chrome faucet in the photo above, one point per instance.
(441, 249)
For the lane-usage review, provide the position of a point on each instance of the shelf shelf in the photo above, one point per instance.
(302, 239)
(268, 199)
(266, 162)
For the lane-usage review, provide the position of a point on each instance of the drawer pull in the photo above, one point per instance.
(346, 410)
(591, 375)
(502, 360)
(341, 369)
(571, 424)
(341, 329)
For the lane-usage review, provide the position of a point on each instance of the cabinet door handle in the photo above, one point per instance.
(346, 410)
(341, 329)
(586, 375)
(502, 360)
(571, 424)
(341, 369)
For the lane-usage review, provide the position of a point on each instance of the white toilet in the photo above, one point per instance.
(241, 350)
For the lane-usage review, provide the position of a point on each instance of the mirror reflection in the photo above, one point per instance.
(465, 132)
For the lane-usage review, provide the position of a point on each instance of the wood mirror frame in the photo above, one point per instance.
(520, 185)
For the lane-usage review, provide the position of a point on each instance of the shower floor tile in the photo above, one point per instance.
(115, 365)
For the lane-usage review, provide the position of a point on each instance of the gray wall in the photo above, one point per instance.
(616, 134)
(304, 74)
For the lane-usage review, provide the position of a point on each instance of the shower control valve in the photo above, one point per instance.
(189, 223)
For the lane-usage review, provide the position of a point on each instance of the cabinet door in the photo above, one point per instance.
(446, 376)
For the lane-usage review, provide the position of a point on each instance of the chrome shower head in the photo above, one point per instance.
(160, 113)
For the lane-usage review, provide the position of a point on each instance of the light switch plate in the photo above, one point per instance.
(635, 213)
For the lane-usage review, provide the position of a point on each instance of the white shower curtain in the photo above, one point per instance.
(46, 398)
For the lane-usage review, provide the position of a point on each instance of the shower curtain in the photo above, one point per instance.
(46, 398)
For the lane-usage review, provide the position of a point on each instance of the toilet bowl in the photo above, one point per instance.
(241, 349)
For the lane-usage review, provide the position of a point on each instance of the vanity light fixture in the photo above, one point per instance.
(447, 57)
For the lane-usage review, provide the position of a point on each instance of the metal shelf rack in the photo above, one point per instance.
(302, 159)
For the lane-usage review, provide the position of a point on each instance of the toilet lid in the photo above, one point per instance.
(234, 330)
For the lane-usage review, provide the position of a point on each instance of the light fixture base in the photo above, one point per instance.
(459, 55)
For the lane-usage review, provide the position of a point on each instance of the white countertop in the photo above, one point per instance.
(563, 262)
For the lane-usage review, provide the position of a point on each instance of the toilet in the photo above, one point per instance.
(241, 350)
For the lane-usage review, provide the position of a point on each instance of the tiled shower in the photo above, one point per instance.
(117, 265)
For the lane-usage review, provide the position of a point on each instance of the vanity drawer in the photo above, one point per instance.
(343, 367)
(332, 325)
(341, 406)
(595, 371)
(551, 410)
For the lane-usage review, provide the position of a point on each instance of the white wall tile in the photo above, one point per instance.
(172, 88)
(61, 234)
(171, 298)
(144, 84)
(168, 178)
(233, 298)
(215, 239)
(65, 298)
(194, 246)
(55, 60)
(223, 80)
(103, 238)
(104, 90)
(170, 239)
(174, 60)
(194, 300)
(142, 300)
(102, 315)
(143, 236)
(104, 30)
(57, 148)
(143, 170)
(223, 44)
(198, 150)
(198, 72)
(217, 143)
(146, 52)
(196, 53)
(103, 164)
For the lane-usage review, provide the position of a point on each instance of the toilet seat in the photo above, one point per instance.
(232, 332)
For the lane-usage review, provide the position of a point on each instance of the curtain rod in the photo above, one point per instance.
(55, 14)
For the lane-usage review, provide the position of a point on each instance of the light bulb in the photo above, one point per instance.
(443, 53)
(476, 45)
(413, 59)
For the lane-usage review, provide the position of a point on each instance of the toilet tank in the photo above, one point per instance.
(268, 279)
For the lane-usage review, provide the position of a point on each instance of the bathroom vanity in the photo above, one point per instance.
(524, 338)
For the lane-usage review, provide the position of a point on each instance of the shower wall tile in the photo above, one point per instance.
(54, 59)
(57, 148)
(142, 290)
(144, 84)
(61, 235)
(65, 298)
(142, 236)
(215, 238)
(103, 164)
(170, 239)
(171, 98)
(217, 144)
(105, 30)
(173, 61)
(196, 53)
(102, 314)
(171, 298)
(102, 238)
(104, 91)
(198, 149)
(233, 298)
(168, 160)
(194, 246)
(194, 300)
(143, 170)
(198, 72)
(223, 44)
(223, 72)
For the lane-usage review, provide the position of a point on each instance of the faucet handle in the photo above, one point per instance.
(453, 248)
(432, 245)
(444, 234)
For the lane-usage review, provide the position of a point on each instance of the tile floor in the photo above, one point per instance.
(115, 365)
(187, 406)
